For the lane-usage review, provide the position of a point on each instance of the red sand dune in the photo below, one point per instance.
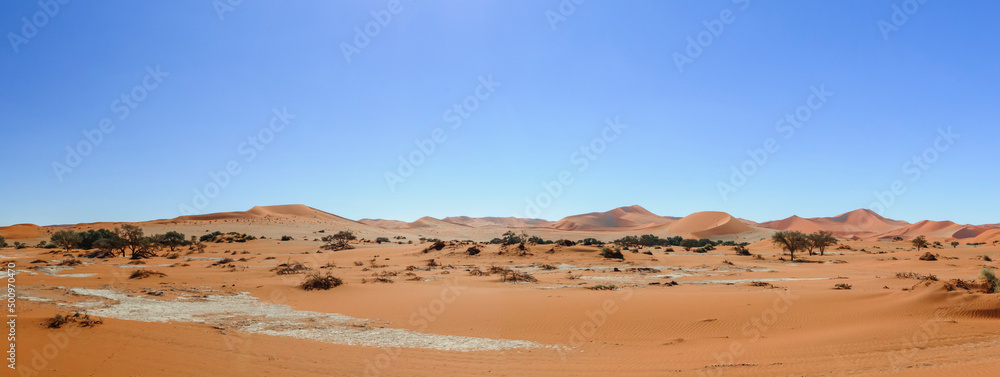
(623, 217)
(929, 228)
(861, 223)
(501, 222)
(708, 224)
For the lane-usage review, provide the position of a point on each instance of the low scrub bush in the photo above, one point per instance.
(144, 273)
(318, 281)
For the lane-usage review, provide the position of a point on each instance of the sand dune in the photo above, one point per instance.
(501, 222)
(708, 224)
(23, 231)
(623, 217)
(987, 236)
(929, 228)
(301, 221)
(860, 224)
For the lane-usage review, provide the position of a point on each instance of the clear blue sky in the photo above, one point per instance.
(353, 119)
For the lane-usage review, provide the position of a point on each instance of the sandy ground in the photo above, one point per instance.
(240, 318)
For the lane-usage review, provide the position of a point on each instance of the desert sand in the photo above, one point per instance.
(670, 313)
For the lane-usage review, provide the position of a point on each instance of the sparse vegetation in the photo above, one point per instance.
(610, 253)
(511, 276)
(320, 281)
(144, 273)
(339, 241)
(83, 320)
(990, 280)
(914, 275)
(289, 268)
(843, 286)
(473, 250)
(603, 287)
(742, 250)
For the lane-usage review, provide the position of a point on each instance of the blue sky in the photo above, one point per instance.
(351, 116)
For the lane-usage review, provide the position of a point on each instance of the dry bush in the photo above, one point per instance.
(376, 279)
(82, 320)
(742, 251)
(136, 262)
(223, 261)
(432, 263)
(359, 263)
(317, 281)
(39, 261)
(843, 286)
(473, 250)
(511, 276)
(437, 245)
(548, 267)
(990, 280)
(173, 255)
(70, 262)
(603, 287)
(763, 284)
(928, 257)
(642, 270)
(914, 275)
(290, 268)
(144, 273)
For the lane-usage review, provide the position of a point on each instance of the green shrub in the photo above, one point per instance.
(610, 253)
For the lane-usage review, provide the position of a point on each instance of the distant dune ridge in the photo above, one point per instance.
(306, 222)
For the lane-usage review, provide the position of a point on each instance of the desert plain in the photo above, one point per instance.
(438, 299)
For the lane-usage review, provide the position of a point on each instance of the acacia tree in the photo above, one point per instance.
(790, 241)
(954, 244)
(820, 240)
(340, 241)
(107, 246)
(66, 239)
(173, 239)
(133, 237)
(920, 243)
